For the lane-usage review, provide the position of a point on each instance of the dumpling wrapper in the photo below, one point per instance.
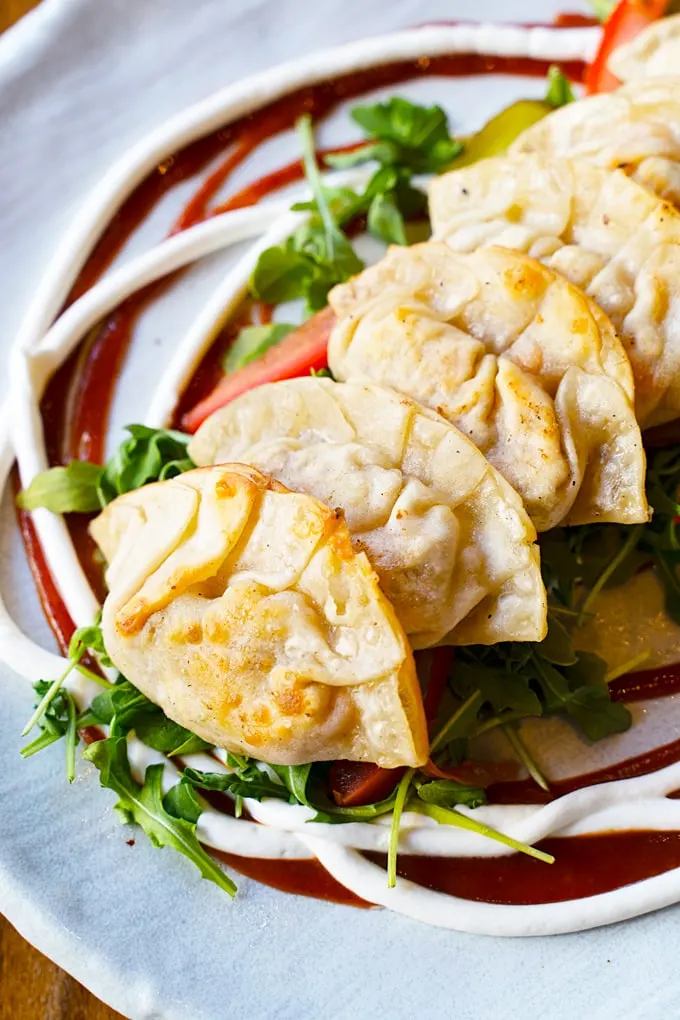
(599, 228)
(515, 356)
(651, 54)
(450, 540)
(636, 129)
(242, 609)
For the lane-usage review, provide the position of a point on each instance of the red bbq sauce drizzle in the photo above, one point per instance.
(75, 410)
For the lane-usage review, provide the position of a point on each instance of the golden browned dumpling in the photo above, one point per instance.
(651, 54)
(636, 128)
(515, 356)
(600, 229)
(242, 609)
(449, 538)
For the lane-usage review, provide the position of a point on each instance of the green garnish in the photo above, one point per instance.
(144, 804)
(559, 91)
(403, 790)
(252, 342)
(461, 821)
(149, 455)
(55, 713)
(317, 256)
(602, 8)
(405, 134)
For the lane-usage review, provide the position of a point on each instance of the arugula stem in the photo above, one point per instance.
(47, 700)
(627, 667)
(400, 800)
(91, 675)
(523, 753)
(624, 551)
(71, 740)
(440, 738)
(445, 816)
(49, 736)
(498, 720)
(306, 133)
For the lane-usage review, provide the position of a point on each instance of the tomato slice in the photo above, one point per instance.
(301, 351)
(627, 20)
(359, 782)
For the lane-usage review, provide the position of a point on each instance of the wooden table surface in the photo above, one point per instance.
(31, 987)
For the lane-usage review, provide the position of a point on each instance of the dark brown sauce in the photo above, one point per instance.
(305, 877)
(584, 866)
(525, 791)
(75, 410)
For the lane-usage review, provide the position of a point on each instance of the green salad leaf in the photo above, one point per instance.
(132, 710)
(58, 720)
(148, 455)
(448, 793)
(144, 804)
(252, 342)
(408, 135)
(70, 489)
(318, 255)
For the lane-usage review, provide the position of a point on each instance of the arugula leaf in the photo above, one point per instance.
(132, 710)
(91, 638)
(559, 91)
(295, 779)
(55, 713)
(282, 274)
(583, 697)
(448, 793)
(155, 730)
(149, 455)
(57, 721)
(600, 556)
(318, 255)
(70, 489)
(252, 342)
(385, 221)
(144, 805)
(419, 135)
(246, 781)
(181, 801)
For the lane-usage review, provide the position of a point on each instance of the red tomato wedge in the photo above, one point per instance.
(359, 782)
(297, 354)
(627, 20)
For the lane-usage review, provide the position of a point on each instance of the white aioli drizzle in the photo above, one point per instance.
(282, 830)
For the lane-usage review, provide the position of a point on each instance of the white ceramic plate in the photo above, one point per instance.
(80, 83)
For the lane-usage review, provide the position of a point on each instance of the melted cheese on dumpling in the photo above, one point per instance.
(651, 54)
(242, 610)
(450, 540)
(515, 356)
(600, 229)
(636, 129)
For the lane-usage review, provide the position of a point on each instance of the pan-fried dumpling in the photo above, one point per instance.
(600, 229)
(515, 356)
(242, 609)
(636, 129)
(651, 54)
(450, 540)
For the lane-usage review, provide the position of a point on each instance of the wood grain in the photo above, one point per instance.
(31, 987)
(11, 11)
